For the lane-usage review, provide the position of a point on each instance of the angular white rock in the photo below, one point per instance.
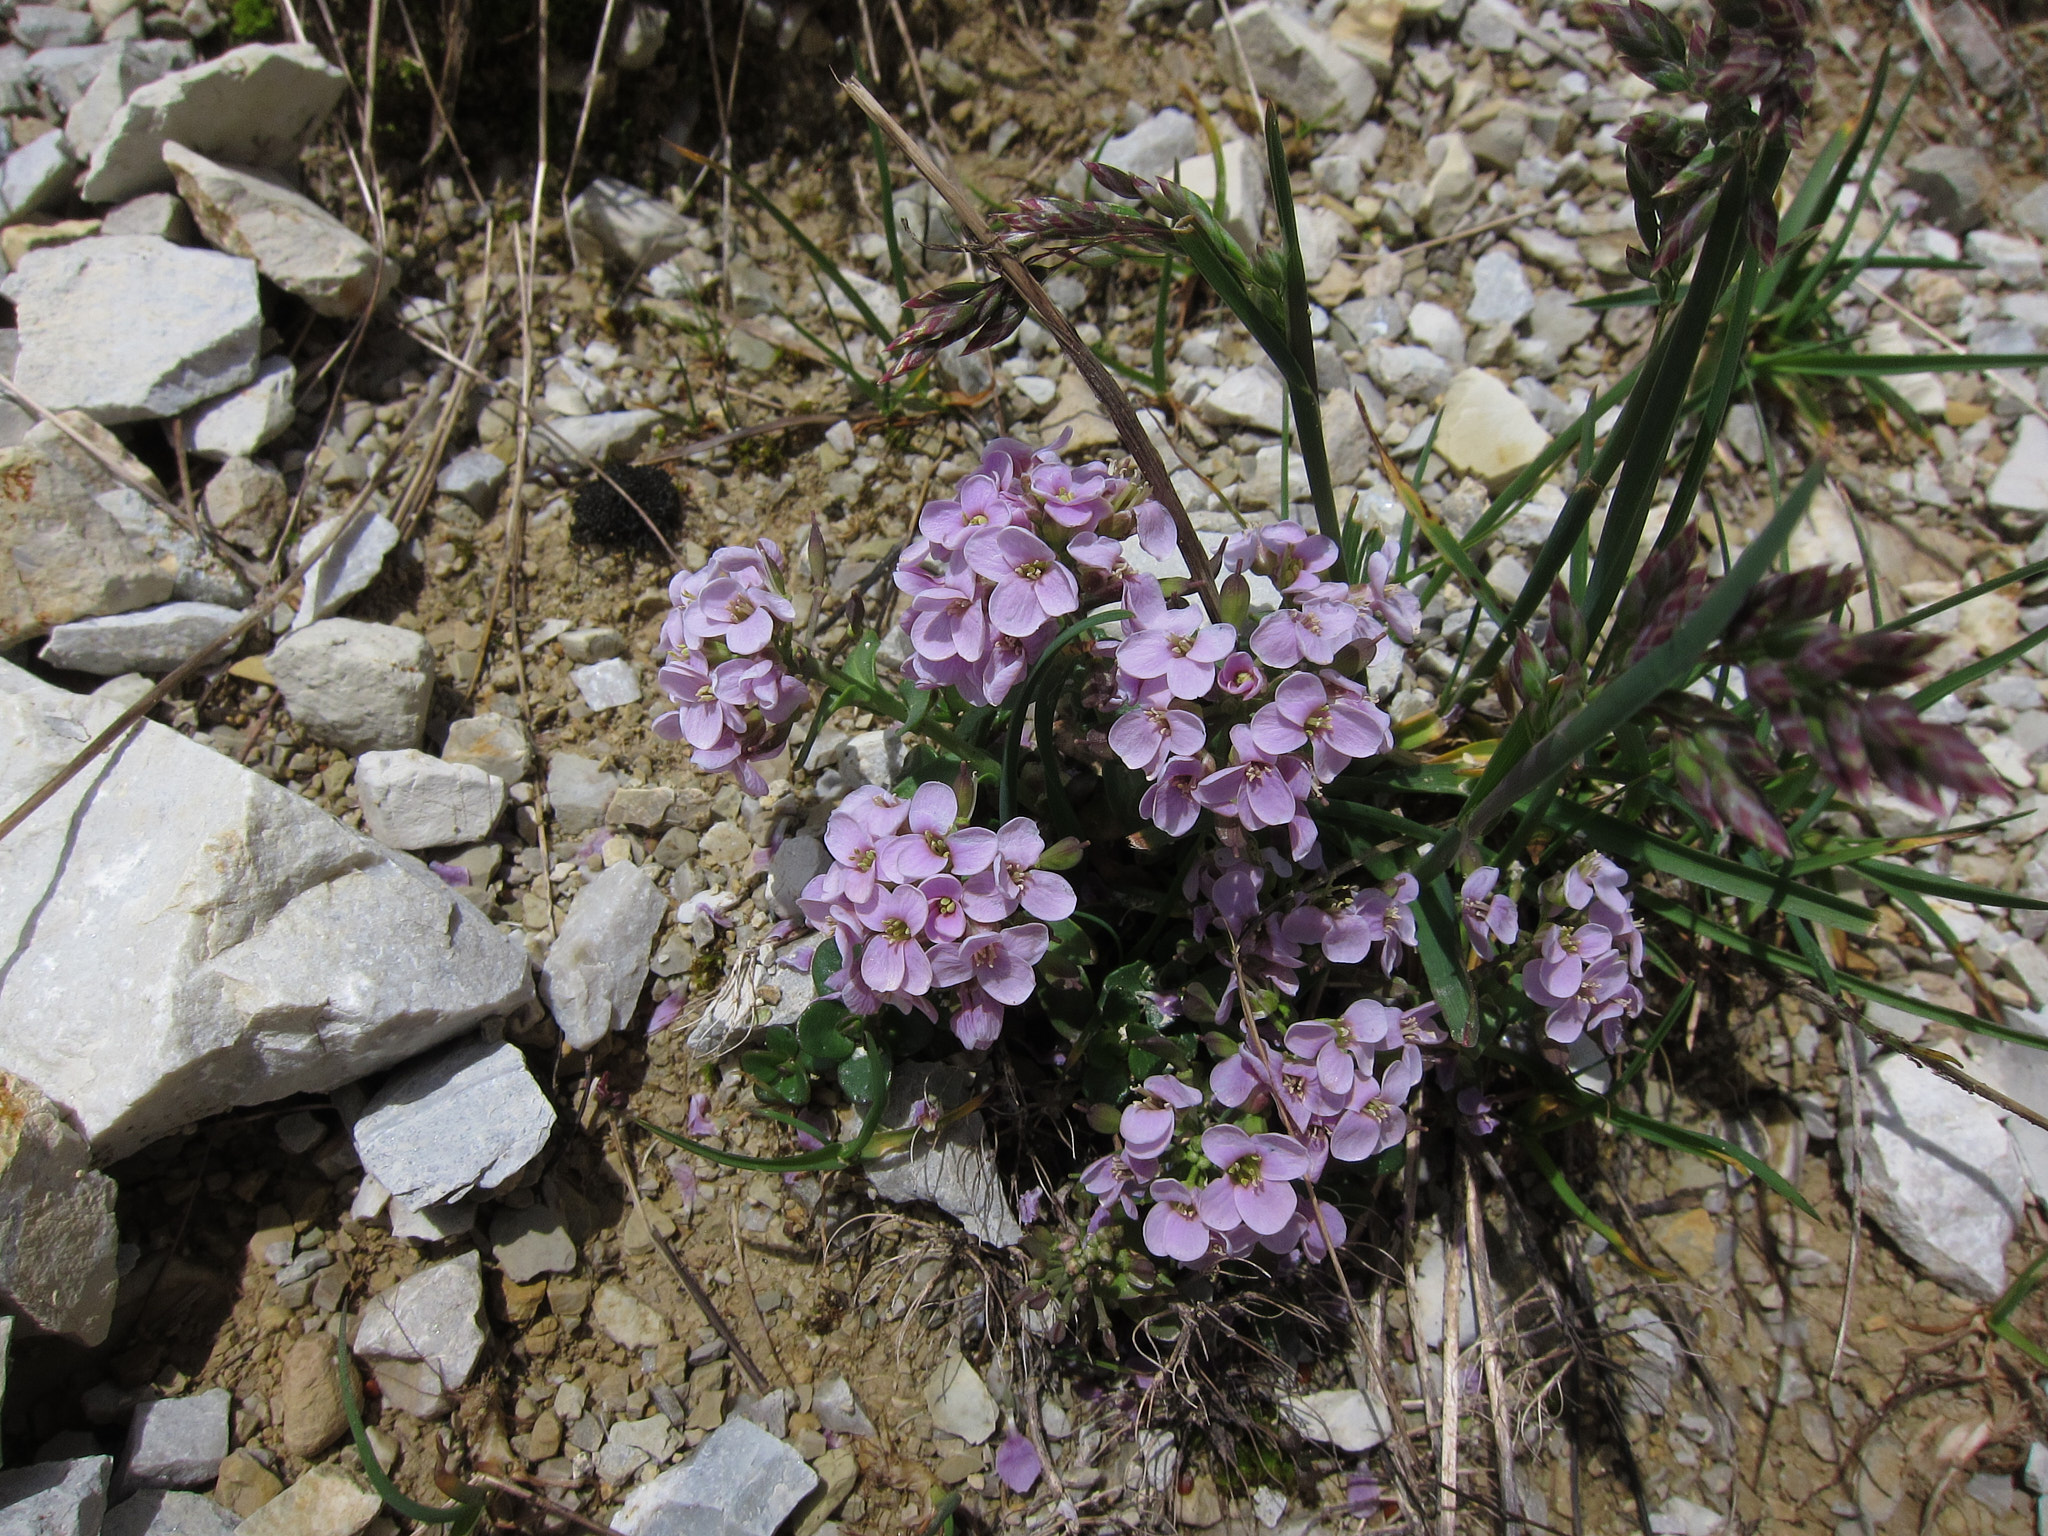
(423, 1335)
(1486, 429)
(491, 742)
(36, 176)
(159, 1513)
(955, 1170)
(152, 640)
(1243, 209)
(346, 568)
(360, 687)
(254, 106)
(56, 1498)
(128, 69)
(1939, 1175)
(1294, 62)
(1501, 294)
(154, 213)
(532, 1242)
(839, 1411)
(466, 1120)
(178, 1442)
(236, 425)
(595, 439)
(741, 1482)
(1158, 144)
(594, 971)
(578, 791)
(622, 222)
(57, 1233)
(627, 1320)
(1250, 397)
(2010, 258)
(1439, 330)
(958, 1401)
(474, 477)
(413, 800)
(127, 328)
(607, 684)
(63, 557)
(296, 243)
(1412, 373)
(326, 1501)
(1344, 1417)
(2021, 484)
(799, 858)
(254, 947)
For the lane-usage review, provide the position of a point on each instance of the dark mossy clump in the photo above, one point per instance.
(606, 518)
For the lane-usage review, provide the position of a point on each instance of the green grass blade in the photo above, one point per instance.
(1648, 1048)
(1639, 848)
(1638, 686)
(1681, 1139)
(1920, 615)
(1714, 414)
(1984, 666)
(373, 1469)
(1440, 940)
(1664, 396)
(1885, 365)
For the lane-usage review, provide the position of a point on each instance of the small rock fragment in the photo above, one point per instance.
(838, 1411)
(151, 640)
(2021, 484)
(246, 501)
(741, 1482)
(411, 800)
(474, 478)
(1958, 184)
(1343, 1417)
(532, 1242)
(1293, 61)
(594, 973)
(1486, 430)
(624, 223)
(360, 687)
(1940, 1175)
(294, 242)
(423, 1335)
(578, 792)
(128, 329)
(492, 742)
(346, 566)
(958, 1401)
(245, 1485)
(62, 555)
(325, 1501)
(254, 106)
(607, 684)
(627, 1320)
(312, 1411)
(238, 424)
(461, 1122)
(159, 1513)
(178, 1442)
(56, 1498)
(57, 1234)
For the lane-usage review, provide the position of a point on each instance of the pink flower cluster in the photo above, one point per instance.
(987, 590)
(1307, 724)
(919, 904)
(1584, 972)
(734, 697)
(1341, 1088)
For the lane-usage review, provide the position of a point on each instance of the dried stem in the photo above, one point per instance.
(1454, 1379)
(1489, 1346)
(1130, 431)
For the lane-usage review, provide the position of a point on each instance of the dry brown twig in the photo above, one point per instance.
(1107, 392)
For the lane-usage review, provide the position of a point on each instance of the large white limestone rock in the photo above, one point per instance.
(185, 936)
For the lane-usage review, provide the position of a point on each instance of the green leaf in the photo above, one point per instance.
(862, 1077)
(1561, 1187)
(819, 1031)
(1639, 686)
(1753, 948)
(1638, 847)
(1906, 877)
(826, 962)
(1921, 615)
(1013, 734)
(1984, 666)
(461, 1516)
(1440, 940)
(860, 661)
(1681, 1139)
(1884, 365)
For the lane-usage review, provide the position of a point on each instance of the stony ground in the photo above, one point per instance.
(1717, 1369)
